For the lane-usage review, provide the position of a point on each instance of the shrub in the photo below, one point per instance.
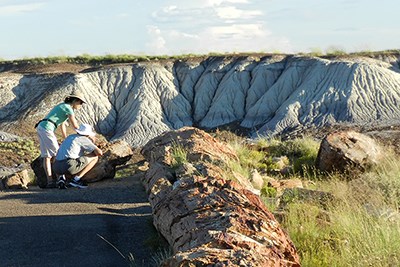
(302, 152)
(179, 156)
(268, 191)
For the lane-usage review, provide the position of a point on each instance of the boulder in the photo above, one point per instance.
(207, 219)
(340, 151)
(256, 179)
(114, 154)
(282, 184)
(17, 180)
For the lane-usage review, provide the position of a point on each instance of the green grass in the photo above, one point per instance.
(301, 152)
(125, 171)
(360, 227)
(102, 60)
(96, 60)
(179, 156)
(348, 233)
(17, 152)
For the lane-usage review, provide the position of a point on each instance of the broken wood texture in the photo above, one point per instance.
(208, 220)
(348, 151)
(17, 180)
(114, 154)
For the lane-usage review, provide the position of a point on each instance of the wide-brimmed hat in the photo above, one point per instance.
(85, 129)
(78, 95)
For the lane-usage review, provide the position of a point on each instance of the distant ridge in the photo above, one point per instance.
(264, 95)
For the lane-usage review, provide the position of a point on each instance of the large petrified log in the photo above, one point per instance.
(208, 220)
(114, 154)
(340, 151)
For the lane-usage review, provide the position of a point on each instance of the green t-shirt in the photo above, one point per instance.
(58, 115)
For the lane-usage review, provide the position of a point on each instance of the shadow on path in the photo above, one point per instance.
(75, 227)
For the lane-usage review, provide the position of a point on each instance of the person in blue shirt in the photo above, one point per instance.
(77, 155)
(58, 116)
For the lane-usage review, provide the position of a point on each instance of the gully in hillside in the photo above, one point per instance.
(45, 128)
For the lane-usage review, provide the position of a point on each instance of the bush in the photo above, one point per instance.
(268, 191)
(179, 156)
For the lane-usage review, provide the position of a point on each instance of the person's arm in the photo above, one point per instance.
(97, 151)
(72, 120)
(64, 129)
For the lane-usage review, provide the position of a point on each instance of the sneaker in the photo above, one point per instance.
(78, 184)
(61, 183)
(51, 184)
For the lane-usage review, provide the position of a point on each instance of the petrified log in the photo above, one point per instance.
(341, 150)
(114, 154)
(17, 180)
(208, 220)
(227, 223)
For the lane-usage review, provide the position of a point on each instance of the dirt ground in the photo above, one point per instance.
(98, 226)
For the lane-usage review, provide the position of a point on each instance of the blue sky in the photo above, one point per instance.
(31, 28)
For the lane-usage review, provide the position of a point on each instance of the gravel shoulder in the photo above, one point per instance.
(76, 227)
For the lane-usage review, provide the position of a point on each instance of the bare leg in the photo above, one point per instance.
(92, 161)
(47, 168)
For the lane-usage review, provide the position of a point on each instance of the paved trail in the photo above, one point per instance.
(73, 227)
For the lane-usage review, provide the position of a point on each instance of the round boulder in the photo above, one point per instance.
(340, 151)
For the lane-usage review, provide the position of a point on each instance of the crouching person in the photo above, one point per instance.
(76, 156)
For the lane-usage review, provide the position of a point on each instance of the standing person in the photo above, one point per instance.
(76, 156)
(45, 128)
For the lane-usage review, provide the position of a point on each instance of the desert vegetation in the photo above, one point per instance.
(95, 60)
(358, 226)
(18, 152)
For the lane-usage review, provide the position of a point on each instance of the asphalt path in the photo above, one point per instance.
(98, 226)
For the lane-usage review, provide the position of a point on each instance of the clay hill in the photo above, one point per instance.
(260, 95)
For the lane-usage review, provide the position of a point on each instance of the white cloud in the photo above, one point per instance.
(203, 15)
(231, 12)
(229, 38)
(240, 31)
(9, 10)
(182, 35)
(173, 14)
(157, 42)
(169, 9)
(213, 26)
(220, 2)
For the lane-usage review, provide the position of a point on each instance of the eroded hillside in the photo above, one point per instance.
(261, 95)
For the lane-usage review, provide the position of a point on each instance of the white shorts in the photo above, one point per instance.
(48, 143)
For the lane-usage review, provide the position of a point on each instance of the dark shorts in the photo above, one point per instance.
(70, 166)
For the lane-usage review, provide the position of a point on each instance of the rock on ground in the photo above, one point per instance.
(340, 151)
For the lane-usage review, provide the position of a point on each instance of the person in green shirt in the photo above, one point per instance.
(58, 116)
